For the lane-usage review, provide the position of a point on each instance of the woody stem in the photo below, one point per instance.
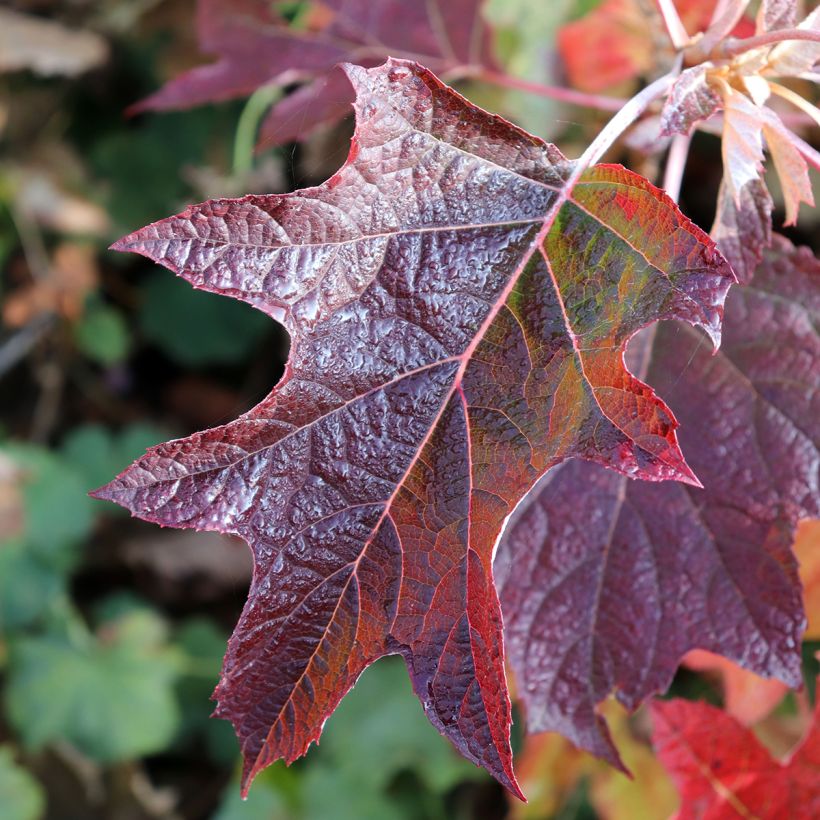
(732, 48)
(551, 92)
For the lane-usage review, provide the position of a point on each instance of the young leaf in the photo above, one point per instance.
(605, 584)
(722, 770)
(457, 318)
(740, 87)
(256, 46)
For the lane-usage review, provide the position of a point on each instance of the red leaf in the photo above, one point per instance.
(256, 47)
(457, 329)
(613, 43)
(605, 584)
(723, 772)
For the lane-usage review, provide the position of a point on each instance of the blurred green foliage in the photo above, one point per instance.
(21, 796)
(196, 328)
(378, 758)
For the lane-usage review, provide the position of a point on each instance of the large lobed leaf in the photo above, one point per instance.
(723, 771)
(257, 46)
(605, 583)
(458, 320)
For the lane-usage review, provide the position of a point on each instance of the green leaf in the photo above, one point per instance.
(197, 328)
(21, 796)
(268, 798)
(27, 586)
(58, 513)
(203, 646)
(102, 334)
(115, 698)
(371, 745)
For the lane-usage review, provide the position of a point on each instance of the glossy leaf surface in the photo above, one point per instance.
(457, 321)
(723, 772)
(605, 583)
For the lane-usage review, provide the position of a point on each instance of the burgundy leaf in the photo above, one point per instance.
(256, 47)
(457, 319)
(605, 583)
(776, 14)
(743, 229)
(691, 100)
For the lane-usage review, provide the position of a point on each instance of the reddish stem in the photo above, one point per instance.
(675, 165)
(674, 26)
(551, 92)
(629, 113)
(733, 48)
(811, 155)
(726, 17)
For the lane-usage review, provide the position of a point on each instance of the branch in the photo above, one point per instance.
(632, 109)
(18, 345)
(733, 48)
(675, 165)
(551, 92)
(674, 27)
(726, 16)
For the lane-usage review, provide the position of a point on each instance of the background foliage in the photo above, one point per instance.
(112, 631)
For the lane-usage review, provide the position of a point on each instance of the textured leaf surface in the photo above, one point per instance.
(605, 583)
(457, 329)
(256, 46)
(723, 772)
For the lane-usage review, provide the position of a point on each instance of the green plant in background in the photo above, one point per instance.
(21, 796)
(384, 768)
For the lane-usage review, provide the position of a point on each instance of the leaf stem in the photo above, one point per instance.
(675, 165)
(631, 110)
(247, 126)
(551, 92)
(733, 48)
(726, 16)
(796, 100)
(674, 26)
(810, 154)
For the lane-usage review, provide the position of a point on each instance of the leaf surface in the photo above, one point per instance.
(723, 772)
(605, 584)
(255, 46)
(457, 319)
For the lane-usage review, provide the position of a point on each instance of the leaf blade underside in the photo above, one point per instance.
(605, 584)
(457, 328)
(255, 46)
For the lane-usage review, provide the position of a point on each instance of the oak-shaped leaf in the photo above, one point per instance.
(257, 46)
(605, 584)
(723, 772)
(458, 317)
